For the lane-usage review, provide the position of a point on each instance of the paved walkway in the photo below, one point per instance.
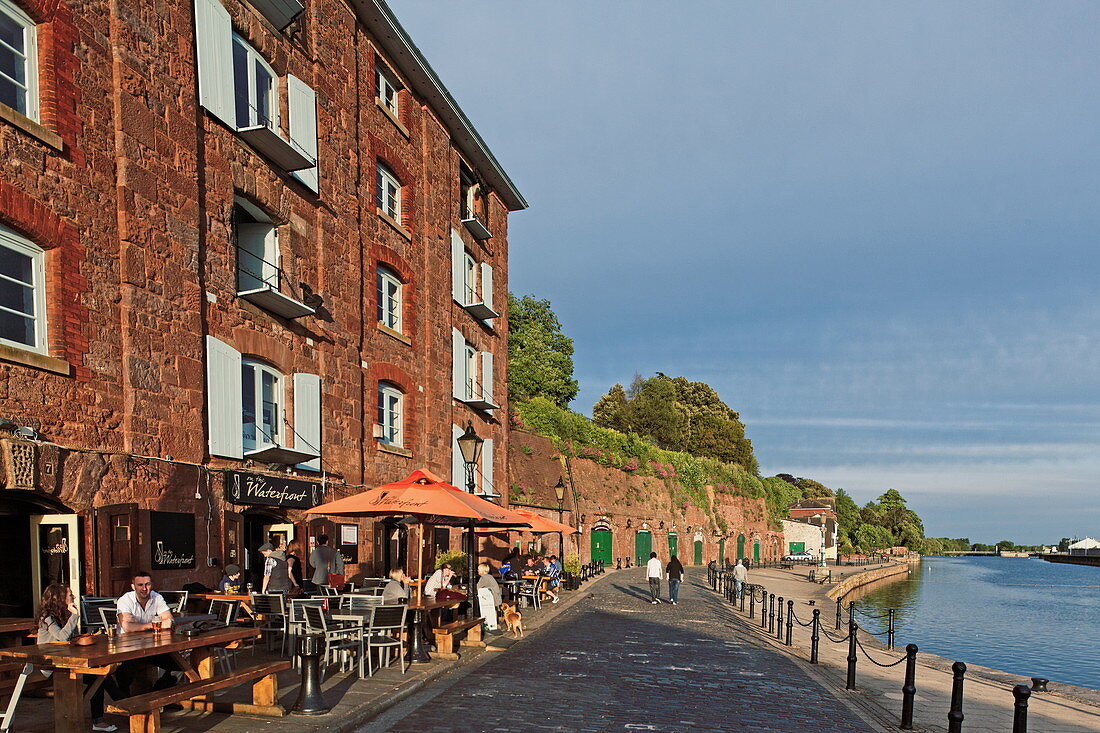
(614, 662)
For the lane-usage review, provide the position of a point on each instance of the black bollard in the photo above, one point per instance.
(909, 689)
(815, 638)
(310, 701)
(779, 620)
(890, 631)
(771, 613)
(618, 563)
(742, 598)
(850, 683)
(851, 610)
(1019, 712)
(763, 608)
(752, 604)
(838, 614)
(1039, 684)
(790, 621)
(955, 715)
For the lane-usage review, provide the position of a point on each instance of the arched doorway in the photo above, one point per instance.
(740, 547)
(673, 543)
(601, 542)
(756, 550)
(698, 550)
(643, 545)
(43, 542)
(259, 526)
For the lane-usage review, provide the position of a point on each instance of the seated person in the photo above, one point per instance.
(533, 567)
(397, 589)
(143, 609)
(488, 596)
(231, 581)
(57, 619)
(552, 571)
(440, 579)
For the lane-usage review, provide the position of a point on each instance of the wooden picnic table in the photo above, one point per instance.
(12, 630)
(70, 662)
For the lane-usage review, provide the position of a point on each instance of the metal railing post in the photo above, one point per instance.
(890, 631)
(752, 604)
(790, 621)
(955, 715)
(909, 689)
(742, 598)
(779, 620)
(850, 682)
(815, 637)
(1019, 712)
(771, 613)
(763, 608)
(838, 614)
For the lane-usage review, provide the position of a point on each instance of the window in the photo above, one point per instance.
(261, 404)
(471, 372)
(257, 248)
(22, 293)
(467, 191)
(389, 299)
(387, 89)
(257, 104)
(391, 416)
(389, 193)
(469, 278)
(18, 61)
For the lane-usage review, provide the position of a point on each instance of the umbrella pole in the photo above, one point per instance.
(471, 562)
(420, 562)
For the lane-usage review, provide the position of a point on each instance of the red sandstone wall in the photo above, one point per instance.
(643, 501)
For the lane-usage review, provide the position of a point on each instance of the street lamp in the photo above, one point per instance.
(470, 444)
(559, 491)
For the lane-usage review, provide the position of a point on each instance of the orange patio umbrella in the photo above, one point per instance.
(538, 525)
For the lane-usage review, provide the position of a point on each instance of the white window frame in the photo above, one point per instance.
(269, 272)
(387, 89)
(262, 438)
(470, 368)
(469, 278)
(254, 59)
(391, 417)
(388, 193)
(390, 305)
(25, 247)
(29, 55)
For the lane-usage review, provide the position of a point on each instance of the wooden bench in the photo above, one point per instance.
(445, 636)
(144, 710)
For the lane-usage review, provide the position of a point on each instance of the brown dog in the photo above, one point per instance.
(513, 619)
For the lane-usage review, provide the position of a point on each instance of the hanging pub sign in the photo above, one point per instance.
(173, 538)
(348, 545)
(256, 489)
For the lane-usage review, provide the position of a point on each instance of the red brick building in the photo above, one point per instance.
(252, 256)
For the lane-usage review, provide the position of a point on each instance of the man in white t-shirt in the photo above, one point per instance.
(143, 609)
(654, 570)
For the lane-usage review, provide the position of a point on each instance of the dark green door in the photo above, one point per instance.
(643, 545)
(673, 539)
(740, 547)
(601, 546)
(797, 547)
(756, 550)
(722, 551)
(698, 552)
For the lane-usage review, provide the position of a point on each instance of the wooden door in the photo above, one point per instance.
(120, 545)
(643, 545)
(673, 543)
(698, 552)
(740, 547)
(601, 546)
(233, 540)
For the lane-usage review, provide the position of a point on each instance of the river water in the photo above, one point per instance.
(1021, 615)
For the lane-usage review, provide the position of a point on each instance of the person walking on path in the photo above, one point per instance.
(740, 577)
(322, 559)
(653, 571)
(675, 571)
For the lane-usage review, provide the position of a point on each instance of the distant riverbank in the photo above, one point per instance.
(1014, 614)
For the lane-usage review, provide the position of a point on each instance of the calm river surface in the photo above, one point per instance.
(1024, 616)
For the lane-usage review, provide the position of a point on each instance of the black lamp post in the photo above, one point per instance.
(470, 443)
(559, 491)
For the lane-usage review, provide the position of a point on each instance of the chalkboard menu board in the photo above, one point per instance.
(348, 542)
(257, 489)
(173, 538)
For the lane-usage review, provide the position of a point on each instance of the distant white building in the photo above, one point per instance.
(1087, 546)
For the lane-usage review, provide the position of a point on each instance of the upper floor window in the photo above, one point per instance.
(22, 293)
(257, 103)
(257, 248)
(389, 193)
(18, 61)
(471, 384)
(387, 88)
(261, 404)
(389, 299)
(469, 278)
(391, 416)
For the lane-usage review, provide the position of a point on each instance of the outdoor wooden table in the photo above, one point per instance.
(70, 662)
(12, 630)
(417, 652)
(244, 599)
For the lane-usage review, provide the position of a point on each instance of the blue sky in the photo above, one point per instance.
(869, 225)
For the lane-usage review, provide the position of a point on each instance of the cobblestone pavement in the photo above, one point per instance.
(616, 662)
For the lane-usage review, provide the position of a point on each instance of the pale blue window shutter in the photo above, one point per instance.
(458, 364)
(458, 466)
(307, 417)
(302, 104)
(487, 486)
(214, 44)
(487, 285)
(487, 376)
(223, 399)
(458, 263)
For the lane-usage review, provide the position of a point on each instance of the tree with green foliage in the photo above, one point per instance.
(612, 411)
(540, 356)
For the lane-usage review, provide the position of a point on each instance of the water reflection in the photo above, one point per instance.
(1020, 615)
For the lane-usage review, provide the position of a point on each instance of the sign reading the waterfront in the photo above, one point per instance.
(173, 536)
(349, 542)
(252, 488)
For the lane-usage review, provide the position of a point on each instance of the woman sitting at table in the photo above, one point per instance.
(57, 620)
(440, 579)
(397, 589)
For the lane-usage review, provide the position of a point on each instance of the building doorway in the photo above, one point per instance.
(601, 544)
(740, 547)
(756, 550)
(643, 546)
(698, 552)
(673, 542)
(42, 548)
(260, 527)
